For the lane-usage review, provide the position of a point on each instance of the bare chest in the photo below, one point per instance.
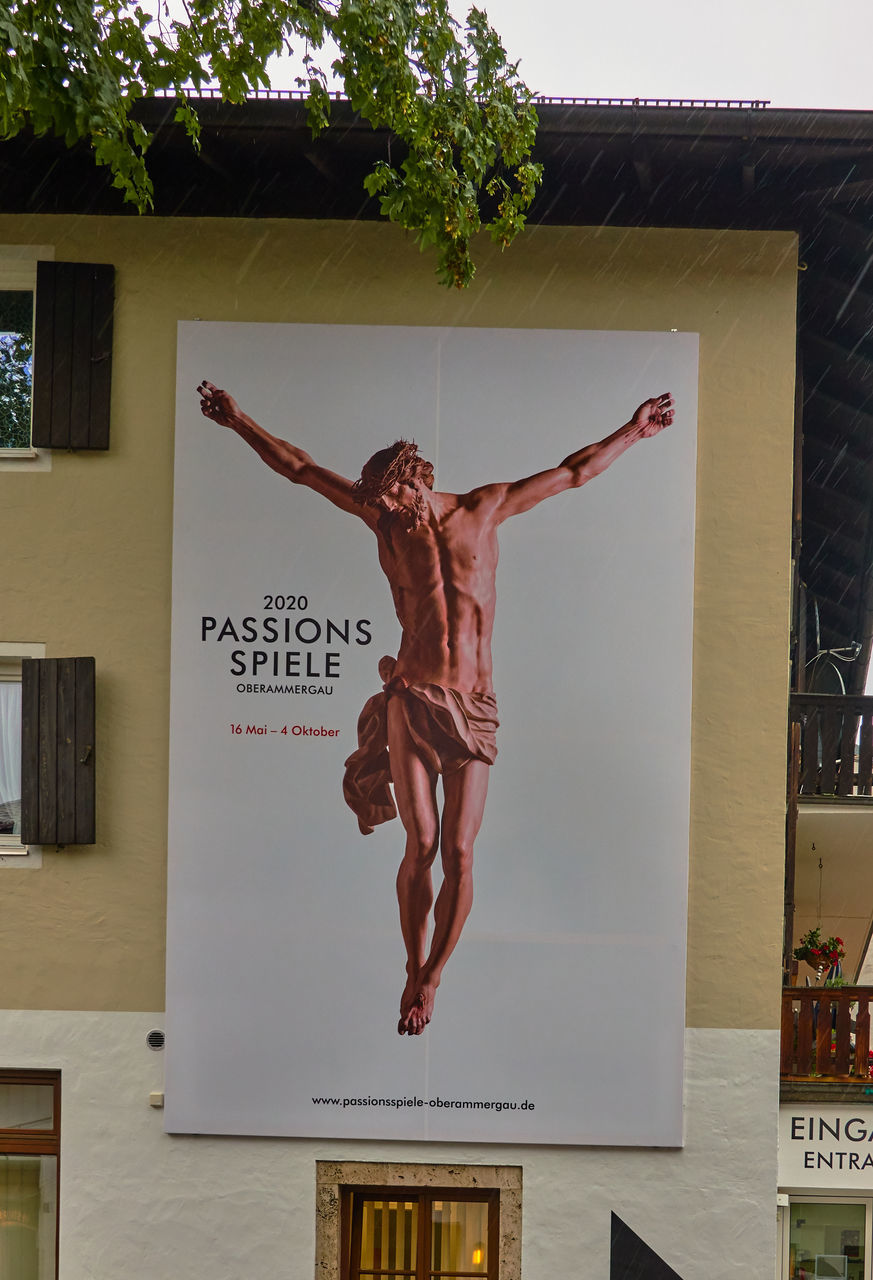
(459, 549)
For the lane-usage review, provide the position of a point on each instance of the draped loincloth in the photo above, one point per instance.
(450, 727)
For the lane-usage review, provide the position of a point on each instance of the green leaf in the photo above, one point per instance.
(454, 106)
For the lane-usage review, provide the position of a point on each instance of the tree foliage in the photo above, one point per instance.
(464, 120)
(16, 365)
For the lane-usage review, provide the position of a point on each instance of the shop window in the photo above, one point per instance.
(828, 1238)
(418, 1222)
(29, 1150)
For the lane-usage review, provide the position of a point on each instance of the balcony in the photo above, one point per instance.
(826, 1035)
(829, 883)
(832, 747)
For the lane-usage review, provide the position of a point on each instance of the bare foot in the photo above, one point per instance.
(415, 1017)
(407, 1000)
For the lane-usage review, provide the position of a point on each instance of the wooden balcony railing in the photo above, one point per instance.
(836, 744)
(826, 1033)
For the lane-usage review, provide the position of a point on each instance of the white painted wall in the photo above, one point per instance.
(140, 1204)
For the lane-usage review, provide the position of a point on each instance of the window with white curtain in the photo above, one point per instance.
(11, 654)
(10, 757)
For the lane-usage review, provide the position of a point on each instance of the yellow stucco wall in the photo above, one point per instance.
(90, 569)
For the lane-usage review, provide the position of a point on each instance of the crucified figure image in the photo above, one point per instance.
(436, 716)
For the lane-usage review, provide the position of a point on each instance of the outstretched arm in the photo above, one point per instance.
(578, 468)
(288, 460)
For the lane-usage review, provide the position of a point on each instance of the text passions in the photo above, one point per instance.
(286, 647)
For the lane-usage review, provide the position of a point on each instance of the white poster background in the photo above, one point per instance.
(285, 961)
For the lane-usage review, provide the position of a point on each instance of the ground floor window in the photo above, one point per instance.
(421, 1235)
(29, 1152)
(827, 1237)
(417, 1221)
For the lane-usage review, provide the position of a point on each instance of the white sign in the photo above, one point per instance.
(826, 1147)
(295, 950)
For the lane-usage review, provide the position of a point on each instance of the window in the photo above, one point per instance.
(16, 367)
(56, 323)
(417, 1221)
(826, 1237)
(17, 297)
(30, 1114)
(422, 1235)
(11, 845)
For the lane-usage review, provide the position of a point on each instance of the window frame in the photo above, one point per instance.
(833, 1195)
(18, 268)
(11, 654)
(351, 1211)
(37, 1142)
(336, 1180)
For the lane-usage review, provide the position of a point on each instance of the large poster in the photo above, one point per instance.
(504, 960)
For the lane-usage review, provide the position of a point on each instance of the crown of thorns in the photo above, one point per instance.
(403, 462)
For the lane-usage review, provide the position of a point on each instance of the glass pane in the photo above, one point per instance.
(10, 758)
(826, 1241)
(459, 1236)
(388, 1231)
(16, 367)
(28, 1212)
(26, 1106)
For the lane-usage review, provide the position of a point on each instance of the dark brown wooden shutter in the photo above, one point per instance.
(72, 355)
(57, 751)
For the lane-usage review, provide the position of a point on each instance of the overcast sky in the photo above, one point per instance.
(797, 53)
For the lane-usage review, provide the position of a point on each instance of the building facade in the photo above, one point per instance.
(85, 924)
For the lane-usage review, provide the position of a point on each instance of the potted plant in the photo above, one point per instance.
(818, 953)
